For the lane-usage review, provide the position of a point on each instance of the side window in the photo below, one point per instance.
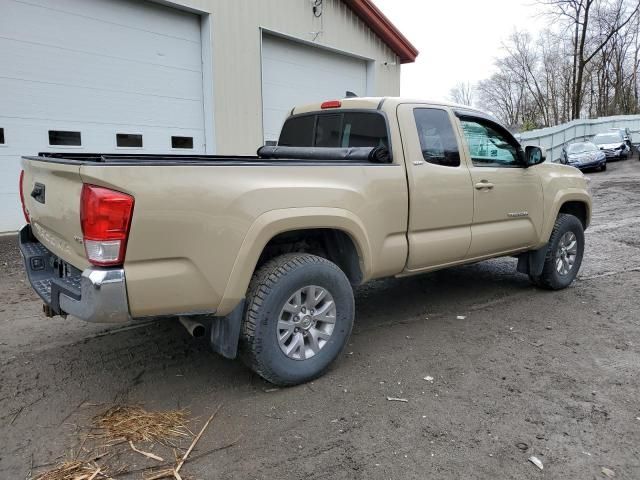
(437, 138)
(488, 146)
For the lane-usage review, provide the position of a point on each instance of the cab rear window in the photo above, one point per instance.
(343, 129)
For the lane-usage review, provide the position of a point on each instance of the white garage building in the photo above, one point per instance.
(185, 76)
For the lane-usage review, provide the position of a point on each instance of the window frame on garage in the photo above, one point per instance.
(183, 149)
(120, 132)
(49, 130)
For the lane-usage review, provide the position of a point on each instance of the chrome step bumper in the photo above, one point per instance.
(95, 295)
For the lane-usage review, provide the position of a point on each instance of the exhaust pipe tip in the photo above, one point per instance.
(198, 331)
(195, 329)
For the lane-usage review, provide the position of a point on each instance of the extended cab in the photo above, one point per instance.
(266, 249)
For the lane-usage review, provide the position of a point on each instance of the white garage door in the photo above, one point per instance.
(295, 74)
(95, 76)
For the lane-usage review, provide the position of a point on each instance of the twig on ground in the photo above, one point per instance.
(195, 440)
(81, 445)
(16, 415)
(146, 454)
(72, 471)
(95, 474)
(30, 468)
(191, 459)
(166, 473)
(73, 411)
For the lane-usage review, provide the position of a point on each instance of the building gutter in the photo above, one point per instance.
(382, 26)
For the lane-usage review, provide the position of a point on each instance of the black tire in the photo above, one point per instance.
(270, 289)
(550, 278)
(603, 168)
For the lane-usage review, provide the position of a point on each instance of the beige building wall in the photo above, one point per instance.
(234, 28)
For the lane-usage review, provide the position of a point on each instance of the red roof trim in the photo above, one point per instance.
(382, 26)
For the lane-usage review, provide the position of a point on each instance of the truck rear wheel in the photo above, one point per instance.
(298, 318)
(564, 254)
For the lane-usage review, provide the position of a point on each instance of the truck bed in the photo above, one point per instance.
(191, 224)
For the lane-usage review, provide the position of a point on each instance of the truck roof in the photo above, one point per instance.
(378, 103)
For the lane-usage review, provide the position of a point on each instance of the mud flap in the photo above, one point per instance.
(532, 262)
(225, 332)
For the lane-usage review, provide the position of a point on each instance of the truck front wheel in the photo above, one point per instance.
(564, 254)
(298, 318)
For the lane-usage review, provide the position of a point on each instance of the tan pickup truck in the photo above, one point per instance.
(265, 250)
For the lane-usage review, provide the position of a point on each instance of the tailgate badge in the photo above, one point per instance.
(77, 239)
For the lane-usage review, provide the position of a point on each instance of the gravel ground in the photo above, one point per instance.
(526, 372)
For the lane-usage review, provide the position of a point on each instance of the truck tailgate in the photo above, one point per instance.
(52, 200)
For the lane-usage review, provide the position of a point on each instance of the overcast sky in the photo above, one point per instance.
(457, 39)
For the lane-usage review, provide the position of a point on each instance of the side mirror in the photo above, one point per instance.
(534, 155)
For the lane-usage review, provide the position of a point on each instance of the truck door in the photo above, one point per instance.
(508, 201)
(440, 189)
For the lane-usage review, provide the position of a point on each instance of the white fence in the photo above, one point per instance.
(554, 138)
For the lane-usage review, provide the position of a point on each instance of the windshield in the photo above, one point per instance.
(576, 148)
(603, 138)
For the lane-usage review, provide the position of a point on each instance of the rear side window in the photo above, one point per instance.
(345, 129)
(437, 140)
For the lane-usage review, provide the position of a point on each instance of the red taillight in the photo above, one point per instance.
(331, 104)
(105, 216)
(24, 207)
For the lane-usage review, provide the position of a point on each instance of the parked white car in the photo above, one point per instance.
(626, 134)
(613, 145)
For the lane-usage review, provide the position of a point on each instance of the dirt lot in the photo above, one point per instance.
(526, 372)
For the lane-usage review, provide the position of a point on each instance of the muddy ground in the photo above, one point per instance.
(526, 372)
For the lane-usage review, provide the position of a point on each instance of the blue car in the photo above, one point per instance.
(584, 155)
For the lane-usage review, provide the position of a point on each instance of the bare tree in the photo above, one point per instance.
(593, 24)
(462, 93)
(588, 63)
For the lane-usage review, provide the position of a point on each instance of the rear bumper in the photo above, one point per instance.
(95, 295)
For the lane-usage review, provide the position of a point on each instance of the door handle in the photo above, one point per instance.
(484, 184)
